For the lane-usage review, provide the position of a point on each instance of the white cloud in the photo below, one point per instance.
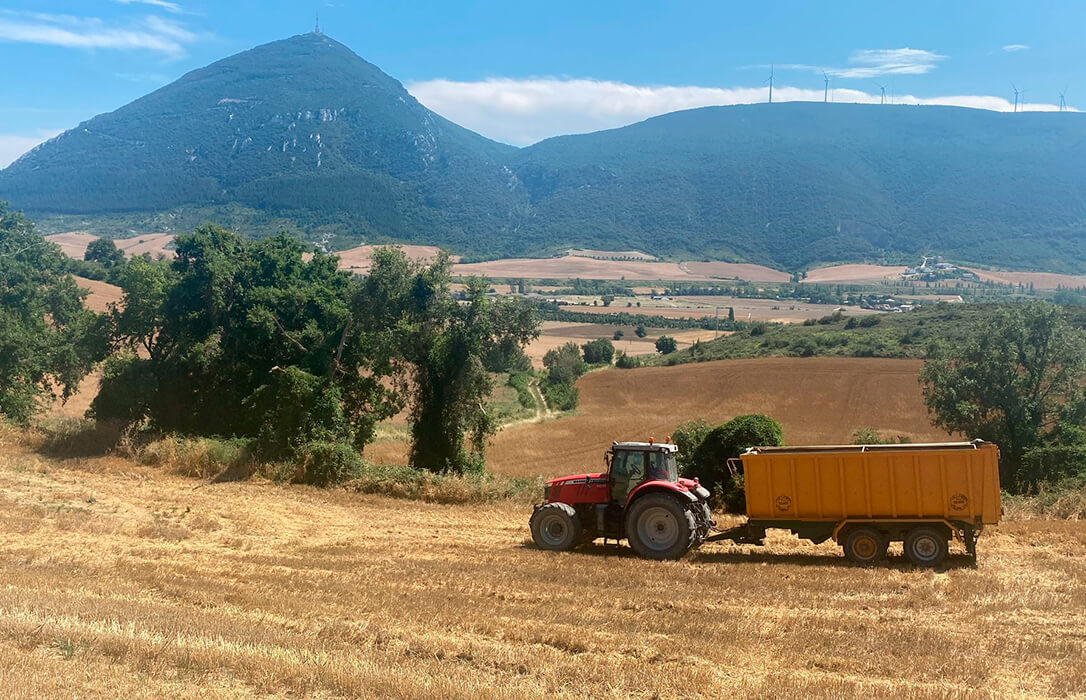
(154, 34)
(161, 4)
(1015, 47)
(872, 63)
(525, 111)
(14, 145)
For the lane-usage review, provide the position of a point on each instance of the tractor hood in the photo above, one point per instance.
(576, 479)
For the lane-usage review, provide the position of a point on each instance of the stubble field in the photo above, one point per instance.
(123, 581)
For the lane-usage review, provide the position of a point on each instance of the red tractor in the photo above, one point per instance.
(640, 498)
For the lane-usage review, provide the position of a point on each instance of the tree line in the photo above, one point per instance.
(264, 340)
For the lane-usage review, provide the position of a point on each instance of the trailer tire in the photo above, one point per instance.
(864, 545)
(659, 527)
(556, 527)
(926, 546)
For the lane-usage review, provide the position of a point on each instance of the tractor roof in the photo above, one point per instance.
(651, 446)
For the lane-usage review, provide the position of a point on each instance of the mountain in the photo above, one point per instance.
(301, 126)
(791, 184)
(302, 134)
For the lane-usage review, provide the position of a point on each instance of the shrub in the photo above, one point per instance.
(871, 436)
(851, 323)
(1050, 464)
(803, 347)
(329, 463)
(666, 345)
(625, 361)
(598, 352)
(870, 321)
(640, 331)
(618, 334)
(757, 329)
(689, 436)
(710, 462)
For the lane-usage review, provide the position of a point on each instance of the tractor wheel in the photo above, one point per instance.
(865, 545)
(926, 546)
(659, 527)
(556, 526)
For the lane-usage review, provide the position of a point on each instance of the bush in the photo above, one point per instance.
(200, 458)
(871, 436)
(689, 436)
(437, 487)
(598, 352)
(803, 347)
(870, 321)
(625, 361)
(757, 329)
(666, 345)
(640, 331)
(618, 334)
(710, 462)
(1051, 464)
(329, 463)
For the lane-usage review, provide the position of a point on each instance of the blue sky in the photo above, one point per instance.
(521, 71)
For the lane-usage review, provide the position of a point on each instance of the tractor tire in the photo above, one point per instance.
(865, 545)
(660, 527)
(556, 527)
(926, 546)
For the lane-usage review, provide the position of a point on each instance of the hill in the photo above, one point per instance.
(304, 135)
(793, 184)
(300, 129)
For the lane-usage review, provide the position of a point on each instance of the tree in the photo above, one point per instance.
(727, 441)
(564, 366)
(640, 331)
(607, 299)
(104, 251)
(599, 351)
(688, 437)
(731, 314)
(1011, 379)
(48, 339)
(618, 335)
(666, 345)
(250, 339)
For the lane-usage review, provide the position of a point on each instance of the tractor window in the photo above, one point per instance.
(662, 466)
(628, 465)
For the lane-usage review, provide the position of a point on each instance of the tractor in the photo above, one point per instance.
(640, 498)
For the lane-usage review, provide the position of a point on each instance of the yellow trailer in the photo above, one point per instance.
(866, 496)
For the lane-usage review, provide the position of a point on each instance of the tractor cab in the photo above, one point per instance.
(630, 464)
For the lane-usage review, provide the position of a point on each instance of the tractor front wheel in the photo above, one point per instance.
(556, 526)
(659, 527)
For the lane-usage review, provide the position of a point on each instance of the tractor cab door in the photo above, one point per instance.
(627, 471)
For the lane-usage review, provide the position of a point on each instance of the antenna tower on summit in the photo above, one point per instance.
(317, 26)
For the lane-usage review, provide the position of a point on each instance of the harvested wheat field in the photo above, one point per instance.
(358, 259)
(554, 334)
(74, 244)
(855, 274)
(99, 294)
(124, 581)
(818, 400)
(1039, 280)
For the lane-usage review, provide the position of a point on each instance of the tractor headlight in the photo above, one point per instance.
(702, 493)
(546, 493)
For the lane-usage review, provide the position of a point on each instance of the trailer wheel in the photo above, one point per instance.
(865, 545)
(926, 546)
(556, 526)
(659, 527)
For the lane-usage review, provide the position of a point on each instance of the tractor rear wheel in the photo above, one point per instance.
(865, 545)
(659, 527)
(926, 546)
(556, 526)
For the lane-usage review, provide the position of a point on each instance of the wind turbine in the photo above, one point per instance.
(826, 91)
(1017, 92)
(1063, 100)
(770, 81)
(882, 99)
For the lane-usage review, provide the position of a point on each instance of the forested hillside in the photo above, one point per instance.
(304, 135)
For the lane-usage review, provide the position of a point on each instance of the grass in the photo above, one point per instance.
(123, 579)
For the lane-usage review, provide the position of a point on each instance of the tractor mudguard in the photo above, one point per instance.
(668, 486)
